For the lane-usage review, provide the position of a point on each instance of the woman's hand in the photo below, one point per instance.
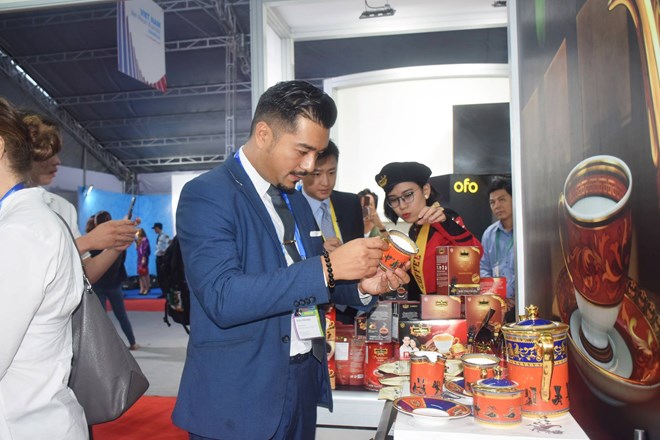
(432, 214)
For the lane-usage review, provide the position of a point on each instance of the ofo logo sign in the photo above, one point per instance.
(466, 186)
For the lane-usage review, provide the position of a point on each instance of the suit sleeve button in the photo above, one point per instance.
(312, 299)
(296, 303)
(285, 339)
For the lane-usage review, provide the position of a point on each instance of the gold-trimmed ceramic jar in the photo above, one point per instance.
(498, 401)
(537, 357)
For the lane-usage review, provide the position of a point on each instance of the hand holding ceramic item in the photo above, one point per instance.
(596, 237)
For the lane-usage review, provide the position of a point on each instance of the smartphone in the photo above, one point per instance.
(366, 209)
(130, 208)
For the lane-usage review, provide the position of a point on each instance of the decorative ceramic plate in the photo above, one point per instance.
(431, 409)
(634, 375)
(456, 386)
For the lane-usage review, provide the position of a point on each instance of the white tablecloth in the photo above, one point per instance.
(562, 428)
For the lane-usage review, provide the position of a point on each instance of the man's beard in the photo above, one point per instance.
(286, 190)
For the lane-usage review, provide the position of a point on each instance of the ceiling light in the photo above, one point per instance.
(377, 11)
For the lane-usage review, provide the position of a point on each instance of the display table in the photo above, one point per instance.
(406, 427)
(353, 407)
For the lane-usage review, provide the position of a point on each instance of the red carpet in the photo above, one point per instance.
(144, 305)
(149, 418)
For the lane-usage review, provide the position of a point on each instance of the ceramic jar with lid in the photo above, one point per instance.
(537, 356)
(497, 401)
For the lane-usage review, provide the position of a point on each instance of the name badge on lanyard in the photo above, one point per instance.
(308, 323)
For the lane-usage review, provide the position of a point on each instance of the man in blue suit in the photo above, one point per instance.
(256, 366)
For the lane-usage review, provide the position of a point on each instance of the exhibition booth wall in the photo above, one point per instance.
(150, 208)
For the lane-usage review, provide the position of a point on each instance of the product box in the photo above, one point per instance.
(379, 323)
(457, 270)
(349, 356)
(478, 306)
(493, 286)
(430, 335)
(442, 307)
(382, 321)
(330, 316)
(404, 311)
(360, 326)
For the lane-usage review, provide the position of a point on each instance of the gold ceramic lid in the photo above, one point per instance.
(531, 323)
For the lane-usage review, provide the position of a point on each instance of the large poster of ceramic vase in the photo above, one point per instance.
(590, 107)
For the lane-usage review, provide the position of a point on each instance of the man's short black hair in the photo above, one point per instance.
(330, 151)
(500, 182)
(281, 104)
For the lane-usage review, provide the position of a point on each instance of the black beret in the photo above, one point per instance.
(396, 172)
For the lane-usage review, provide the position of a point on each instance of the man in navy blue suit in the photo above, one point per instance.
(256, 365)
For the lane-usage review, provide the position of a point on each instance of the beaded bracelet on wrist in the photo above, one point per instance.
(328, 266)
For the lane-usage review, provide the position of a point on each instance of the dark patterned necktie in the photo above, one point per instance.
(318, 344)
(287, 220)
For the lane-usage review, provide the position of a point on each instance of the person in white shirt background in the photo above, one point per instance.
(41, 284)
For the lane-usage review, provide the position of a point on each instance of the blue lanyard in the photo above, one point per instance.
(296, 234)
(19, 186)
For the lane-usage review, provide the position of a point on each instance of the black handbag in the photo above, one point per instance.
(105, 377)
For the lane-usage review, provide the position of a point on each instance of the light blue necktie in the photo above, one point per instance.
(327, 228)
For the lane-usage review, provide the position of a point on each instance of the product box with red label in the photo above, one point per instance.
(493, 286)
(477, 308)
(457, 270)
(442, 307)
(430, 335)
(349, 356)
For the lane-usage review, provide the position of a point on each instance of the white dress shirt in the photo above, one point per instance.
(297, 345)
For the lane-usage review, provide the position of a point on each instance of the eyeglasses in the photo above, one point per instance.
(406, 197)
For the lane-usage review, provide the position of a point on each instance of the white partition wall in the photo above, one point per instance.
(405, 114)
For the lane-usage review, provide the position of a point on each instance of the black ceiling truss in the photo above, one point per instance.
(116, 166)
(59, 17)
(111, 52)
(125, 127)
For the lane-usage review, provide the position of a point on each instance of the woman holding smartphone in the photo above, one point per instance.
(108, 287)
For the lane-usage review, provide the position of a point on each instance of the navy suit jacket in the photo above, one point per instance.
(349, 215)
(234, 379)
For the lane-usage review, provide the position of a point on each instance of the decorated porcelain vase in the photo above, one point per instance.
(537, 356)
